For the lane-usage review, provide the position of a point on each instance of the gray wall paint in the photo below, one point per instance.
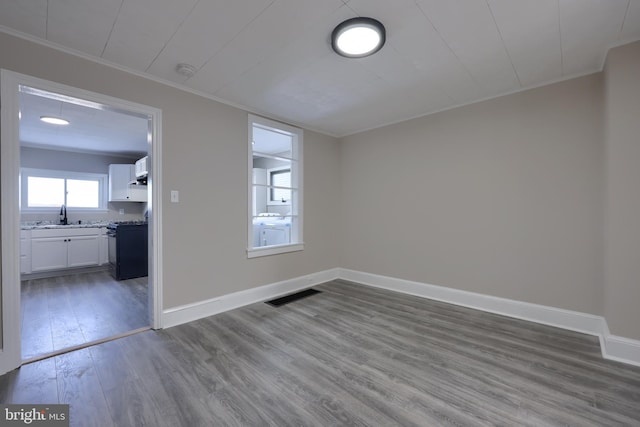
(502, 197)
(622, 249)
(38, 158)
(205, 158)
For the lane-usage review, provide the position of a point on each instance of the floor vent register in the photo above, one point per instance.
(292, 297)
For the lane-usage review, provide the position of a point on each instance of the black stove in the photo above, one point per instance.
(128, 249)
(116, 224)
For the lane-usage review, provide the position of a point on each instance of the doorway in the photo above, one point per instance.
(75, 300)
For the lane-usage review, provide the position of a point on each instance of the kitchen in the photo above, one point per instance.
(84, 233)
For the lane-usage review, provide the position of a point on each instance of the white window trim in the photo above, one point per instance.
(48, 173)
(297, 156)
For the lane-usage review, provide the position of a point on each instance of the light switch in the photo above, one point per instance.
(175, 196)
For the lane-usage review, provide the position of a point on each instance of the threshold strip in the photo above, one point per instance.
(85, 345)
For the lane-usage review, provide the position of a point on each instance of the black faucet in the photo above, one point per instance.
(63, 215)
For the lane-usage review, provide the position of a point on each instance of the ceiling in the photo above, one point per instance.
(274, 56)
(92, 130)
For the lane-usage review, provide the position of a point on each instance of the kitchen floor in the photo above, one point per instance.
(66, 311)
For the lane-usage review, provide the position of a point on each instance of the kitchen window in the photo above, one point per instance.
(275, 188)
(279, 179)
(47, 190)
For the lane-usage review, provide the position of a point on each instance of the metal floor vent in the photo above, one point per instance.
(292, 297)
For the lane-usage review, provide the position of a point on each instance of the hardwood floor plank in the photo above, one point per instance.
(111, 365)
(352, 355)
(78, 386)
(66, 311)
(358, 373)
(35, 383)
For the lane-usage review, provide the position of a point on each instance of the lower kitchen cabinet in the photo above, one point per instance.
(57, 249)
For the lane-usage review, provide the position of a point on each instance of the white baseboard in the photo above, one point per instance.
(613, 347)
(620, 349)
(189, 312)
(565, 319)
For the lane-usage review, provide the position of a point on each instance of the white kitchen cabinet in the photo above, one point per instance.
(83, 251)
(48, 253)
(122, 187)
(58, 249)
(25, 251)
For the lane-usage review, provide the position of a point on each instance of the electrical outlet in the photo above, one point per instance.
(121, 211)
(175, 196)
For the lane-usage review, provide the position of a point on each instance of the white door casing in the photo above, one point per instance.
(10, 83)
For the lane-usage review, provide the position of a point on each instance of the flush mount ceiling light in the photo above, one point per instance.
(54, 120)
(358, 37)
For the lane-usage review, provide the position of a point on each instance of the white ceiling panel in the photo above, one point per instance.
(209, 27)
(323, 88)
(278, 26)
(631, 26)
(27, 16)
(413, 36)
(468, 28)
(531, 34)
(82, 25)
(587, 28)
(142, 29)
(278, 74)
(274, 56)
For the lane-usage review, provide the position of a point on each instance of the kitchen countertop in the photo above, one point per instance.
(40, 225)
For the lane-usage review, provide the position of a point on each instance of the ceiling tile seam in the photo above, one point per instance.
(251, 68)
(178, 86)
(205, 95)
(155, 58)
(232, 38)
(104, 48)
(504, 45)
(624, 19)
(560, 38)
(471, 76)
(46, 22)
(409, 63)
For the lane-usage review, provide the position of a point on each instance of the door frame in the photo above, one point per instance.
(10, 83)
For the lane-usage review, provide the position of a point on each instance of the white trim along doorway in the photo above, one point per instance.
(11, 84)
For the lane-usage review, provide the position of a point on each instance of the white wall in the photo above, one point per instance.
(503, 197)
(622, 249)
(205, 158)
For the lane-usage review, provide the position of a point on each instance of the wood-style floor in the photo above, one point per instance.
(351, 355)
(66, 311)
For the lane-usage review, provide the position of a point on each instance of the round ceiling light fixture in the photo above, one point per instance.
(54, 120)
(358, 37)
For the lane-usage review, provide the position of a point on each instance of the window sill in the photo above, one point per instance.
(274, 250)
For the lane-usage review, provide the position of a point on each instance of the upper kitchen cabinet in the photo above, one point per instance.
(123, 185)
(142, 169)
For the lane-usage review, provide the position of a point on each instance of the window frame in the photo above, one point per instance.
(274, 171)
(296, 203)
(25, 173)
